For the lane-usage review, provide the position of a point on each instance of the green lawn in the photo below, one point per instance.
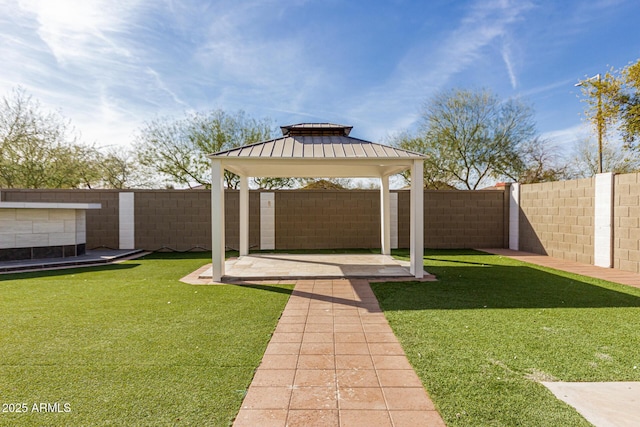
(129, 344)
(484, 335)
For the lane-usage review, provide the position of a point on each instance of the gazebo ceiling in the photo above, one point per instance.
(321, 150)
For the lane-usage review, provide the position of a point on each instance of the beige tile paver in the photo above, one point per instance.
(261, 417)
(315, 378)
(312, 417)
(334, 361)
(273, 377)
(267, 398)
(416, 418)
(364, 417)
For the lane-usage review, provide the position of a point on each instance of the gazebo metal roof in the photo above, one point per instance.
(317, 150)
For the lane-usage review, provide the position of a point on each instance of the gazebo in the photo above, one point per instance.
(315, 150)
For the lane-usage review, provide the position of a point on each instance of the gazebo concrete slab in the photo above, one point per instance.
(280, 266)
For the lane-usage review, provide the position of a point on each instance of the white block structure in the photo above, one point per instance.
(603, 221)
(267, 221)
(32, 230)
(126, 229)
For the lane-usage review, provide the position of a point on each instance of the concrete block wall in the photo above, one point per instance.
(557, 219)
(626, 222)
(304, 219)
(464, 219)
(174, 219)
(565, 219)
(325, 219)
(457, 219)
(232, 219)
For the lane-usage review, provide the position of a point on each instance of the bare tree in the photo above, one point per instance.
(275, 183)
(470, 137)
(39, 149)
(435, 176)
(616, 157)
(542, 163)
(177, 149)
(119, 169)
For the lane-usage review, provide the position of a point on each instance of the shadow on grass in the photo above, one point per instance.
(303, 294)
(471, 284)
(171, 255)
(67, 271)
(317, 251)
(268, 288)
(177, 255)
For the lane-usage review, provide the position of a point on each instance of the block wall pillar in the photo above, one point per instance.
(267, 221)
(126, 213)
(514, 217)
(603, 221)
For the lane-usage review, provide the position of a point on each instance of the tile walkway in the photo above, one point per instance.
(333, 360)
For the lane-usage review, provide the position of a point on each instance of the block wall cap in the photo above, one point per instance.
(47, 205)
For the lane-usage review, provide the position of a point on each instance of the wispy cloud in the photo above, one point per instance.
(82, 31)
(506, 57)
(430, 64)
(88, 56)
(548, 87)
(268, 66)
(486, 23)
(118, 63)
(112, 64)
(567, 138)
(162, 86)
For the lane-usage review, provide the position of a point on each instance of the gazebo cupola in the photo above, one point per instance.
(316, 129)
(315, 150)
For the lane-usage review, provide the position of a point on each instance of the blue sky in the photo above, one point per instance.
(111, 65)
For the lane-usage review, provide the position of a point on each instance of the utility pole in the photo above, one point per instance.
(599, 117)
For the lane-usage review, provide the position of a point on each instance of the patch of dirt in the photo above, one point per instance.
(537, 375)
(604, 356)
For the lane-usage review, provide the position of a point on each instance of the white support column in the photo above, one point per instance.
(514, 217)
(393, 206)
(244, 216)
(385, 217)
(126, 220)
(417, 219)
(603, 222)
(217, 220)
(267, 221)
